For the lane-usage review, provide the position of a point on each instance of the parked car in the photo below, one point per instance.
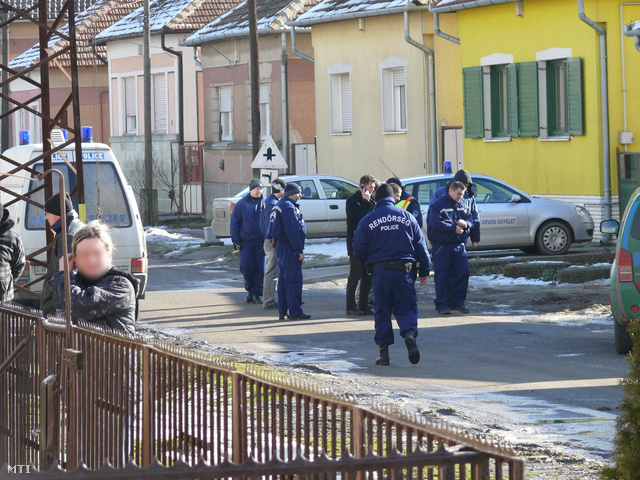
(509, 218)
(322, 204)
(625, 271)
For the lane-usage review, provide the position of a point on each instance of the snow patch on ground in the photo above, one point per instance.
(484, 281)
(333, 249)
(171, 242)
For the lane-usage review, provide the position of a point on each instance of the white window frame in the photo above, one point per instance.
(265, 110)
(226, 115)
(126, 116)
(542, 58)
(160, 127)
(395, 117)
(341, 100)
(486, 63)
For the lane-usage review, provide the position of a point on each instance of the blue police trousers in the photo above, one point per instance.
(451, 269)
(252, 267)
(289, 281)
(394, 292)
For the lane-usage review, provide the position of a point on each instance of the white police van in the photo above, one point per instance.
(108, 197)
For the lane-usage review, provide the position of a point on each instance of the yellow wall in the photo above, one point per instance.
(563, 167)
(404, 153)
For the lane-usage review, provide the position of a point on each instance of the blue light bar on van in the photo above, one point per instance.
(25, 138)
(65, 134)
(86, 134)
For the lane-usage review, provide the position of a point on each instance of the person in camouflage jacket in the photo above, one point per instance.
(12, 258)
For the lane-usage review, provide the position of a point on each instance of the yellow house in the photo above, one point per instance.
(551, 96)
(382, 106)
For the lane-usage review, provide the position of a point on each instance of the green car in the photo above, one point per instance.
(625, 271)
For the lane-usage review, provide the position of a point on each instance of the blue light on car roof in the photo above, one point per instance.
(86, 134)
(25, 137)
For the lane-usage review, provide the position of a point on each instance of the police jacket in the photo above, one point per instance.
(356, 208)
(12, 258)
(269, 203)
(390, 233)
(73, 225)
(109, 301)
(443, 215)
(474, 233)
(246, 219)
(288, 225)
(411, 205)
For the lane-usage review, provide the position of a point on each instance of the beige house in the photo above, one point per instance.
(388, 89)
(175, 98)
(286, 106)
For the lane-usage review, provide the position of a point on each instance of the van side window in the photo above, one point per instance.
(103, 194)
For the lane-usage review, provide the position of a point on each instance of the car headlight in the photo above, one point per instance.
(584, 213)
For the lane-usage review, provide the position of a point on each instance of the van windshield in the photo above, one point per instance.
(109, 203)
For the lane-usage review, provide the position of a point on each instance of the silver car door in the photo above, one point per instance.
(424, 191)
(314, 208)
(336, 193)
(503, 221)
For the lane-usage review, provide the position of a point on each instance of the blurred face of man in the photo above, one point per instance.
(92, 259)
(457, 194)
(51, 218)
(256, 192)
(369, 187)
(295, 197)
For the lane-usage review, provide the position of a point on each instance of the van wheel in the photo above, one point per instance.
(622, 338)
(553, 238)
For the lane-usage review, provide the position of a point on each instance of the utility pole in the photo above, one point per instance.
(254, 67)
(4, 128)
(149, 197)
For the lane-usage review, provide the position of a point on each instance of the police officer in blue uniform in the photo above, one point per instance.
(449, 222)
(464, 177)
(247, 237)
(288, 230)
(389, 242)
(271, 269)
(407, 202)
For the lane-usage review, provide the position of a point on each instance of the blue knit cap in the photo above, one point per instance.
(292, 189)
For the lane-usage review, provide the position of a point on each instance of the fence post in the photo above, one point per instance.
(49, 418)
(73, 362)
(237, 402)
(147, 424)
(482, 468)
(357, 438)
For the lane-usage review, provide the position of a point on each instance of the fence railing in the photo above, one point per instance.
(107, 398)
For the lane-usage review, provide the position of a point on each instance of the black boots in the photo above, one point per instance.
(412, 347)
(383, 359)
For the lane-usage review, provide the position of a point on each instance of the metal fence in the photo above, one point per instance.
(107, 398)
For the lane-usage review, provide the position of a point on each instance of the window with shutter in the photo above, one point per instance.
(130, 105)
(473, 104)
(575, 105)
(226, 113)
(265, 113)
(499, 101)
(394, 100)
(345, 103)
(528, 99)
(160, 114)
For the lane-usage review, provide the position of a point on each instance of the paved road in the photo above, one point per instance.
(529, 379)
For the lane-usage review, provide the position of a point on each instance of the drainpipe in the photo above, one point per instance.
(285, 99)
(440, 33)
(196, 58)
(294, 46)
(627, 30)
(97, 55)
(178, 55)
(604, 89)
(432, 97)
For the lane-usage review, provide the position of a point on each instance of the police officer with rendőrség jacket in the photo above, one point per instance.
(247, 237)
(449, 222)
(389, 241)
(288, 229)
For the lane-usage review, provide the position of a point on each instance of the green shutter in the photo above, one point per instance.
(574, 95)
(512, 73)
(528, 99)
(472, 91)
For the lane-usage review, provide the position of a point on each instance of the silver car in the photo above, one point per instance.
(509, 218)
(322, 204)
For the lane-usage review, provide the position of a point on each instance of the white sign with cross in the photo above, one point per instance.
(269, 156)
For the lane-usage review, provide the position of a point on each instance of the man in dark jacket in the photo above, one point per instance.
(288, 229)
(465, 178)
(357, 206)
(449, 222)
(271, 269)
(12, 258)
(52, 215)
(407, 202)
(247, 237)
(390, 242)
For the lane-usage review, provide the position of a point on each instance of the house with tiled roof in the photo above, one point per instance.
(176, 96)
(387, 89)
(286, 93)
(551, 96)
(92, 70)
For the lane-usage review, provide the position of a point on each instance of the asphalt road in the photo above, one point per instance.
(545, 380)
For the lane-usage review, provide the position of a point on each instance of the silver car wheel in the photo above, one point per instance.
(555, 238)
